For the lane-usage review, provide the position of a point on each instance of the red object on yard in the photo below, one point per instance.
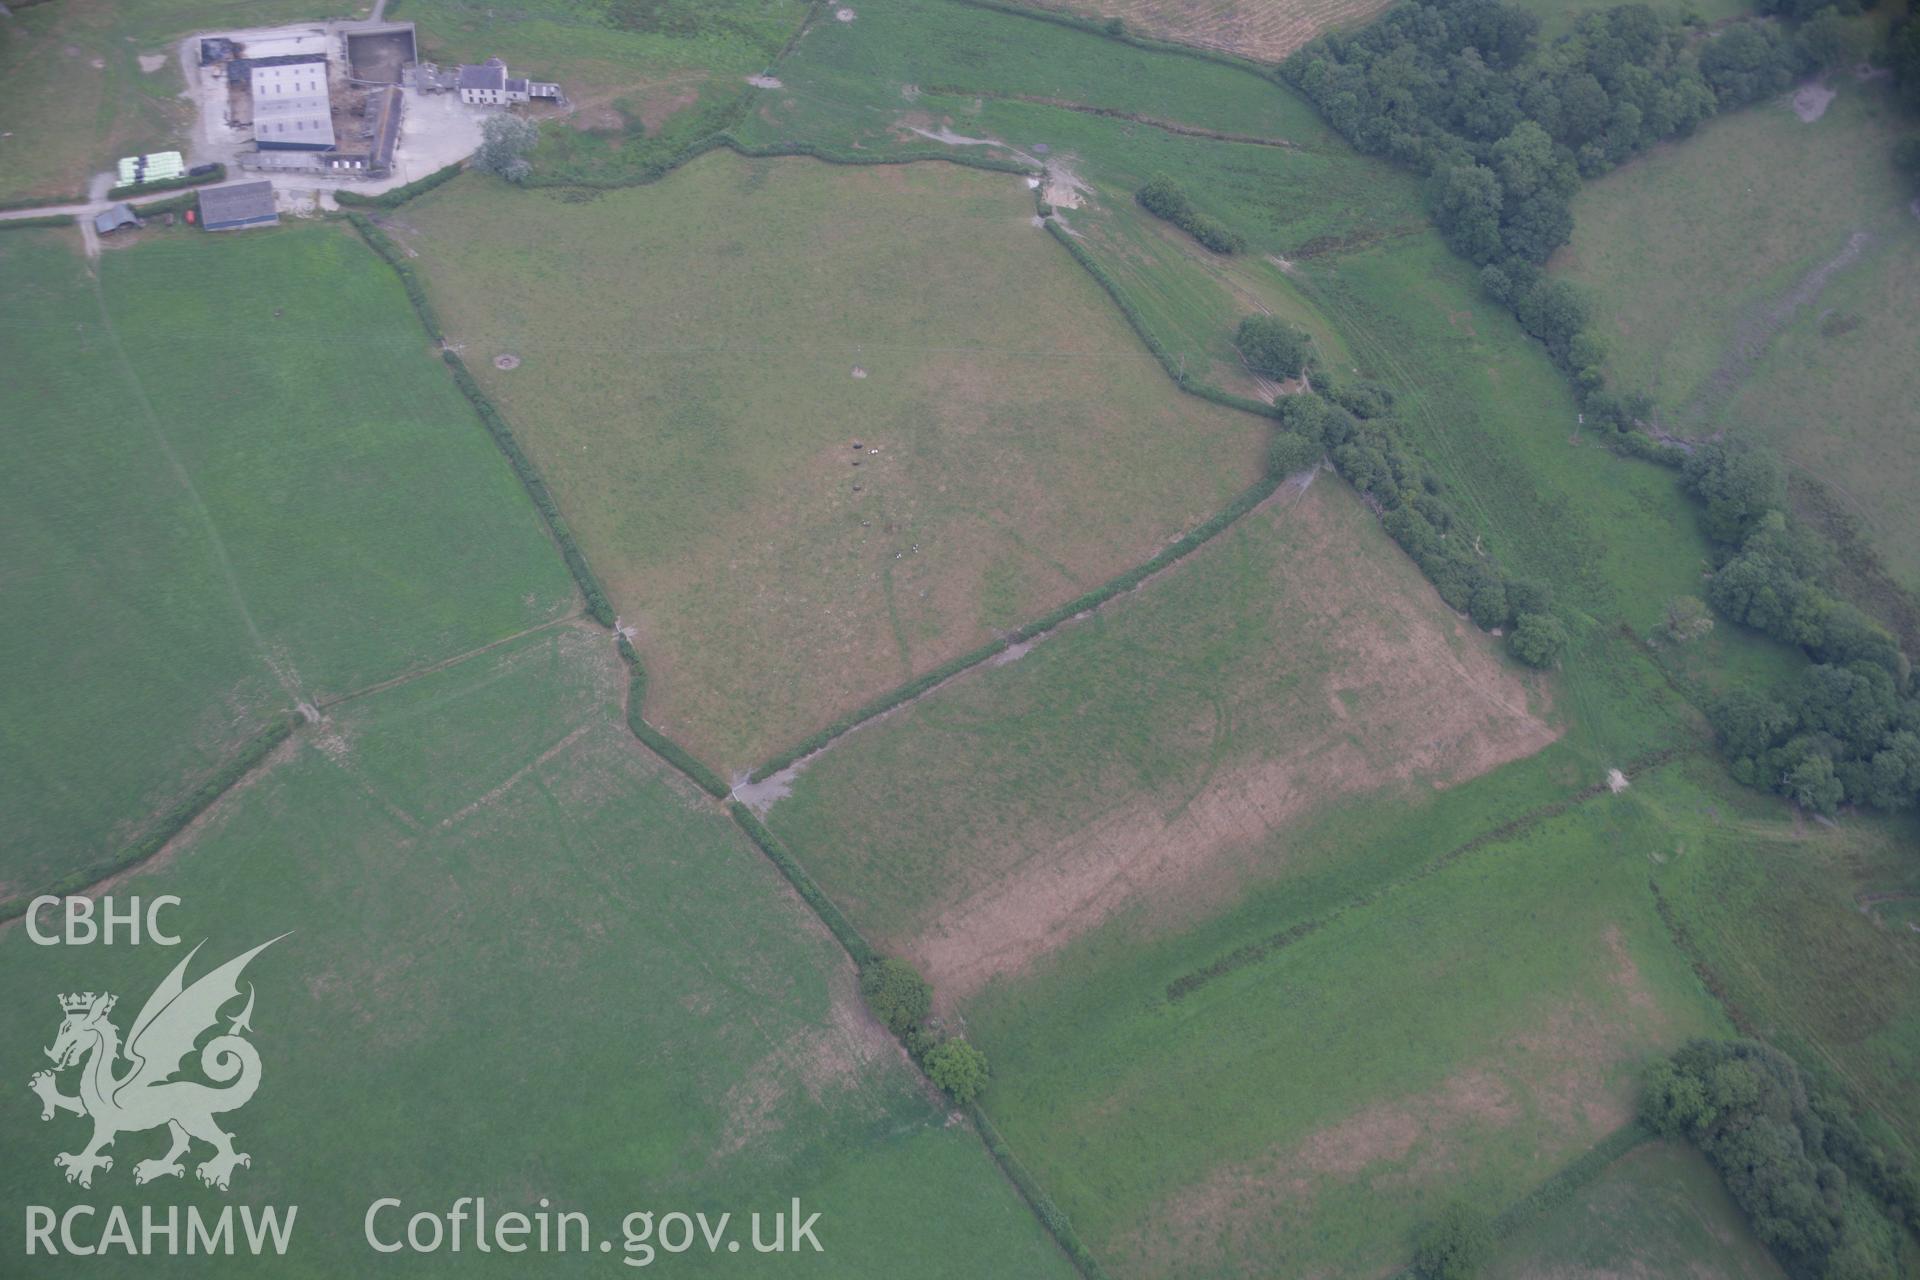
(189, 217)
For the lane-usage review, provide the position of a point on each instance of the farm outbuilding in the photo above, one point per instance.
(112, 220)
(240, 204)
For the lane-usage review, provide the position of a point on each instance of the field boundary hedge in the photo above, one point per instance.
(1181, 379)
(659, 743)
(1051, 1216)
(400, 195)
(390, 253)
(41, 220)
(39, 202)
(171, 204)
(175, 819)
(599, 608)
(815, 897)
(132, 189)
(1178, 549)
(1563, 1185)
(395, 257)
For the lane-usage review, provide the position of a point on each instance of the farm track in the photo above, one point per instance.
(433, 667)
(217, 544)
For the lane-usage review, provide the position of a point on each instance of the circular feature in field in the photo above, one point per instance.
(506, 360)
(844, 15)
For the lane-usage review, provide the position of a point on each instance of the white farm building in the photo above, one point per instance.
(489, 85)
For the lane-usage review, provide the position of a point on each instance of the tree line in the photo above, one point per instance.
(1849, 731)
(1354, 428)
(1826, 1199)
(1505, 128)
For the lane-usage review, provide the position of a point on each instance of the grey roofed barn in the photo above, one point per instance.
(121, 215)
(241, 204)
(291, 109)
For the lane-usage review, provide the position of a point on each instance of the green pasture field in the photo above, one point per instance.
(1806, 928)
(1157, 756)
(238, 481)
(1287, 183)
(514, 969)
(1660, 1210)
(698, 357)
(67, 118)
(1723, 317)
(848, 76)
(1462, 1033)
(601, 49)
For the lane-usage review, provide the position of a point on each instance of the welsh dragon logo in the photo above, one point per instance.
(145, 1096)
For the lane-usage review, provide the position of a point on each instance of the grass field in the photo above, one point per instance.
(1806, 929)
(599, 48)
(1286, 908)
(76, 98)
(1462, 1027)
(1753, 314)
(1151, 762)
(225, 500)
(698, 358)
(1658, 1211)
(516, 969)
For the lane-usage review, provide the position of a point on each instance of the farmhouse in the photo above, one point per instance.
(291, 109)
(240, 204)
(489, 85)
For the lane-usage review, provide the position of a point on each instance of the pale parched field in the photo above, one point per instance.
(699, 358)
(1778, 299)
(1153, 758)
(1264, 30)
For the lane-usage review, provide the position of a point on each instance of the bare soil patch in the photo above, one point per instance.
(506, 360)
(1811, 101)
(1422, 700)
(818, 1061)
(657, 108)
